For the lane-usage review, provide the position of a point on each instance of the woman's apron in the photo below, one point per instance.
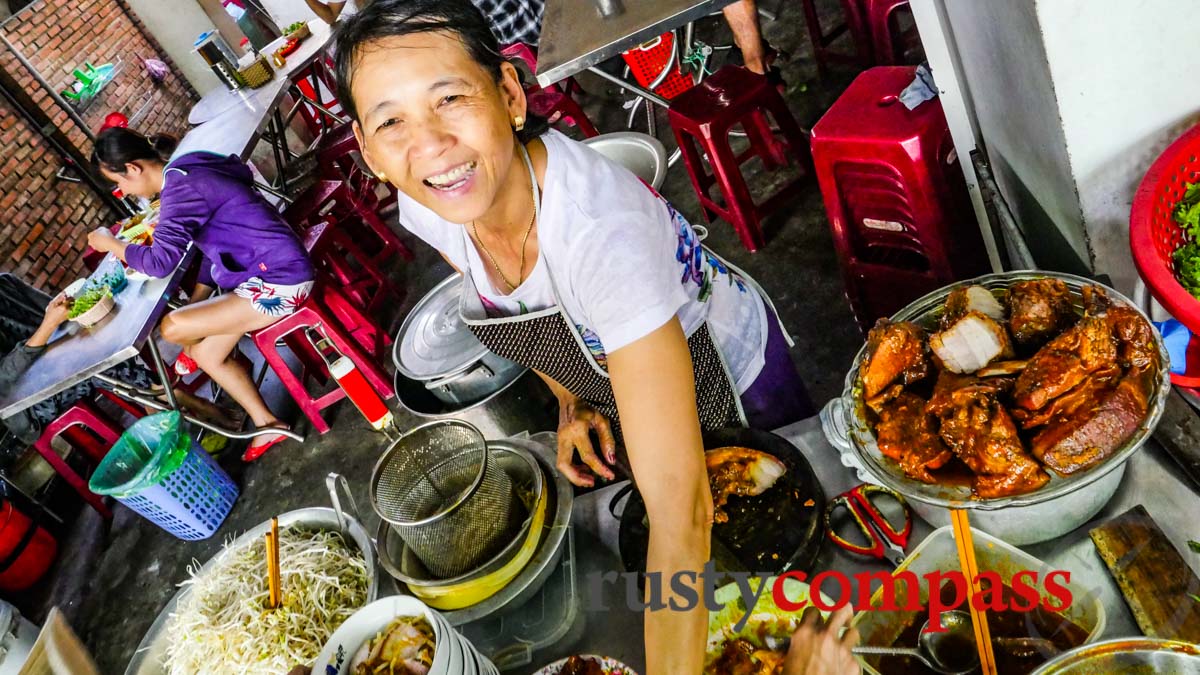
(549, 342)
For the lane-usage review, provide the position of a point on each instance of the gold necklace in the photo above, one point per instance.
(525, 240)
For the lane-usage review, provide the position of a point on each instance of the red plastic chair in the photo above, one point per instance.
(895, 195)
(340, 158)
(310, 82)
(549, 101)
(89, 431)
(315, 314)
(702, 118)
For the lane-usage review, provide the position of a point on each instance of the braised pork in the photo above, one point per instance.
(1097, 427)
(1038, 310)
(971, 343)
(963, 301)
(909, 435)
(1061, 365)
(895, 351)
(979, 430)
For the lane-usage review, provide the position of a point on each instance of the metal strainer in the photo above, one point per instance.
(445, 496)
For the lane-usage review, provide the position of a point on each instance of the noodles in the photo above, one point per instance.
(224, 626)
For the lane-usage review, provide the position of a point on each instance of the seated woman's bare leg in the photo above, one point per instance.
(209, 331)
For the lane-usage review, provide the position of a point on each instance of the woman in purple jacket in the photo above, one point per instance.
(250, 253)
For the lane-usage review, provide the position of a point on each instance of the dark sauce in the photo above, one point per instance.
(1038, 623)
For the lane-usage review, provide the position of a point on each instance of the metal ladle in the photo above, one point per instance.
(951, 652)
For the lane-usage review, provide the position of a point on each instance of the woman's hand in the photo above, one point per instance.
(817, 650)
(103, 240)
(575, 419)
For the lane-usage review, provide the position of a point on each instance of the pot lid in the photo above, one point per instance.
(434, 342)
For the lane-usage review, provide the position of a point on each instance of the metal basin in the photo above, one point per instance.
(1049, 512)
(148, 659)
(642, 154)
(1126, 656)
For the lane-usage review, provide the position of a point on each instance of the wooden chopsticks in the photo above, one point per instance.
(970, 569)
(274, 591)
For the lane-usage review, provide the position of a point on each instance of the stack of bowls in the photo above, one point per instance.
(453, 654)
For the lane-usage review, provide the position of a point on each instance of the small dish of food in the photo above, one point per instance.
(398, 635)
(586, 664)
(745, 652)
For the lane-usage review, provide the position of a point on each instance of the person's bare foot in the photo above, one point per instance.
(265, 442)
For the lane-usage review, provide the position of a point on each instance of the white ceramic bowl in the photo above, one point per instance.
(367, 622)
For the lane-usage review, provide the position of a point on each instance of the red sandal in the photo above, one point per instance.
(255, 451)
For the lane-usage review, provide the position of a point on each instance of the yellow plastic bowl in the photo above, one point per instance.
(474, 591)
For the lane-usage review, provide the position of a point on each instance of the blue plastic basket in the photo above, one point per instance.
(192, 501)
(160, 472)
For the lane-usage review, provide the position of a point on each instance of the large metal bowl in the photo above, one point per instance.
(1048, 512)
(151, 652)
(1126, 656)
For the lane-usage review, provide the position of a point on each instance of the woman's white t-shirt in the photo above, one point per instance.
(622, 259)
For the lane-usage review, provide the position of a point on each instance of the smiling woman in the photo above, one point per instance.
(574, 268)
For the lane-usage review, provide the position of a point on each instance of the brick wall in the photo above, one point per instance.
(43, 222)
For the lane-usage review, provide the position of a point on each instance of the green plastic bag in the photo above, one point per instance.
(147, 452)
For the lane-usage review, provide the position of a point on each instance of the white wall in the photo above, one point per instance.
(1004, 63)
(176, 24)
(1126, 82)
(287, 12)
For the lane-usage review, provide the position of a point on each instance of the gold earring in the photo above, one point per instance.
(518, 123)
(382, 178)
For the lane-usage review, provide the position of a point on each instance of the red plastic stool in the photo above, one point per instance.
(91, 419)
(702, 118)
(853, 23)
(895, 195)
(310, 81)
(549, 101)
(339, 157)
(325, 218)
(314, 314)
(878, 15)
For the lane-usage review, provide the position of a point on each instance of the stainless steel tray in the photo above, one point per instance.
(148, 659)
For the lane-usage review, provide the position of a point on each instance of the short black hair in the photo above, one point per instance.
(396, 18)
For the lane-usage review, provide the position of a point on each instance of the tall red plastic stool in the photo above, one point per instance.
(853, 22)
(702, 118)
(310, 81)
(90, 418)
(897, 202)
(878, 15)
(313, 314)
(547, 101)
(325, 218)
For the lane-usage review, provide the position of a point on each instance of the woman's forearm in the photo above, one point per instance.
(675, 640)
(323, 11)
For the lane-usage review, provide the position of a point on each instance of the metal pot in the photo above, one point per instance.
(1049, 512)
(1126, 655)
(436, 348)
(524, 404)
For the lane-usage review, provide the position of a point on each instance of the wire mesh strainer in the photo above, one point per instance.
(445, 496)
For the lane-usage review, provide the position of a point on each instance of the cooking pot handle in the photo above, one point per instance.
(438, 384)
(833, 423)
(332, 481)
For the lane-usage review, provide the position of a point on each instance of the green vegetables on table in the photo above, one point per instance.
(88, 299)
(1187, 257)
(294, 27)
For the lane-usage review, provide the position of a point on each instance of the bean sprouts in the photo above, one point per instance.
(224, 626)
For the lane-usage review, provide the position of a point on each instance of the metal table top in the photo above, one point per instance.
(75, 354)
(1151, 479)
(231, 122)
(566, 49)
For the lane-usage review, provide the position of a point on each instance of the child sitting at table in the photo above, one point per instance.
(254, 256)
(26, 324)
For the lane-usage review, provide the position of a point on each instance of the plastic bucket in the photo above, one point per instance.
(17, 638)
(26, 550)
(157, 470)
